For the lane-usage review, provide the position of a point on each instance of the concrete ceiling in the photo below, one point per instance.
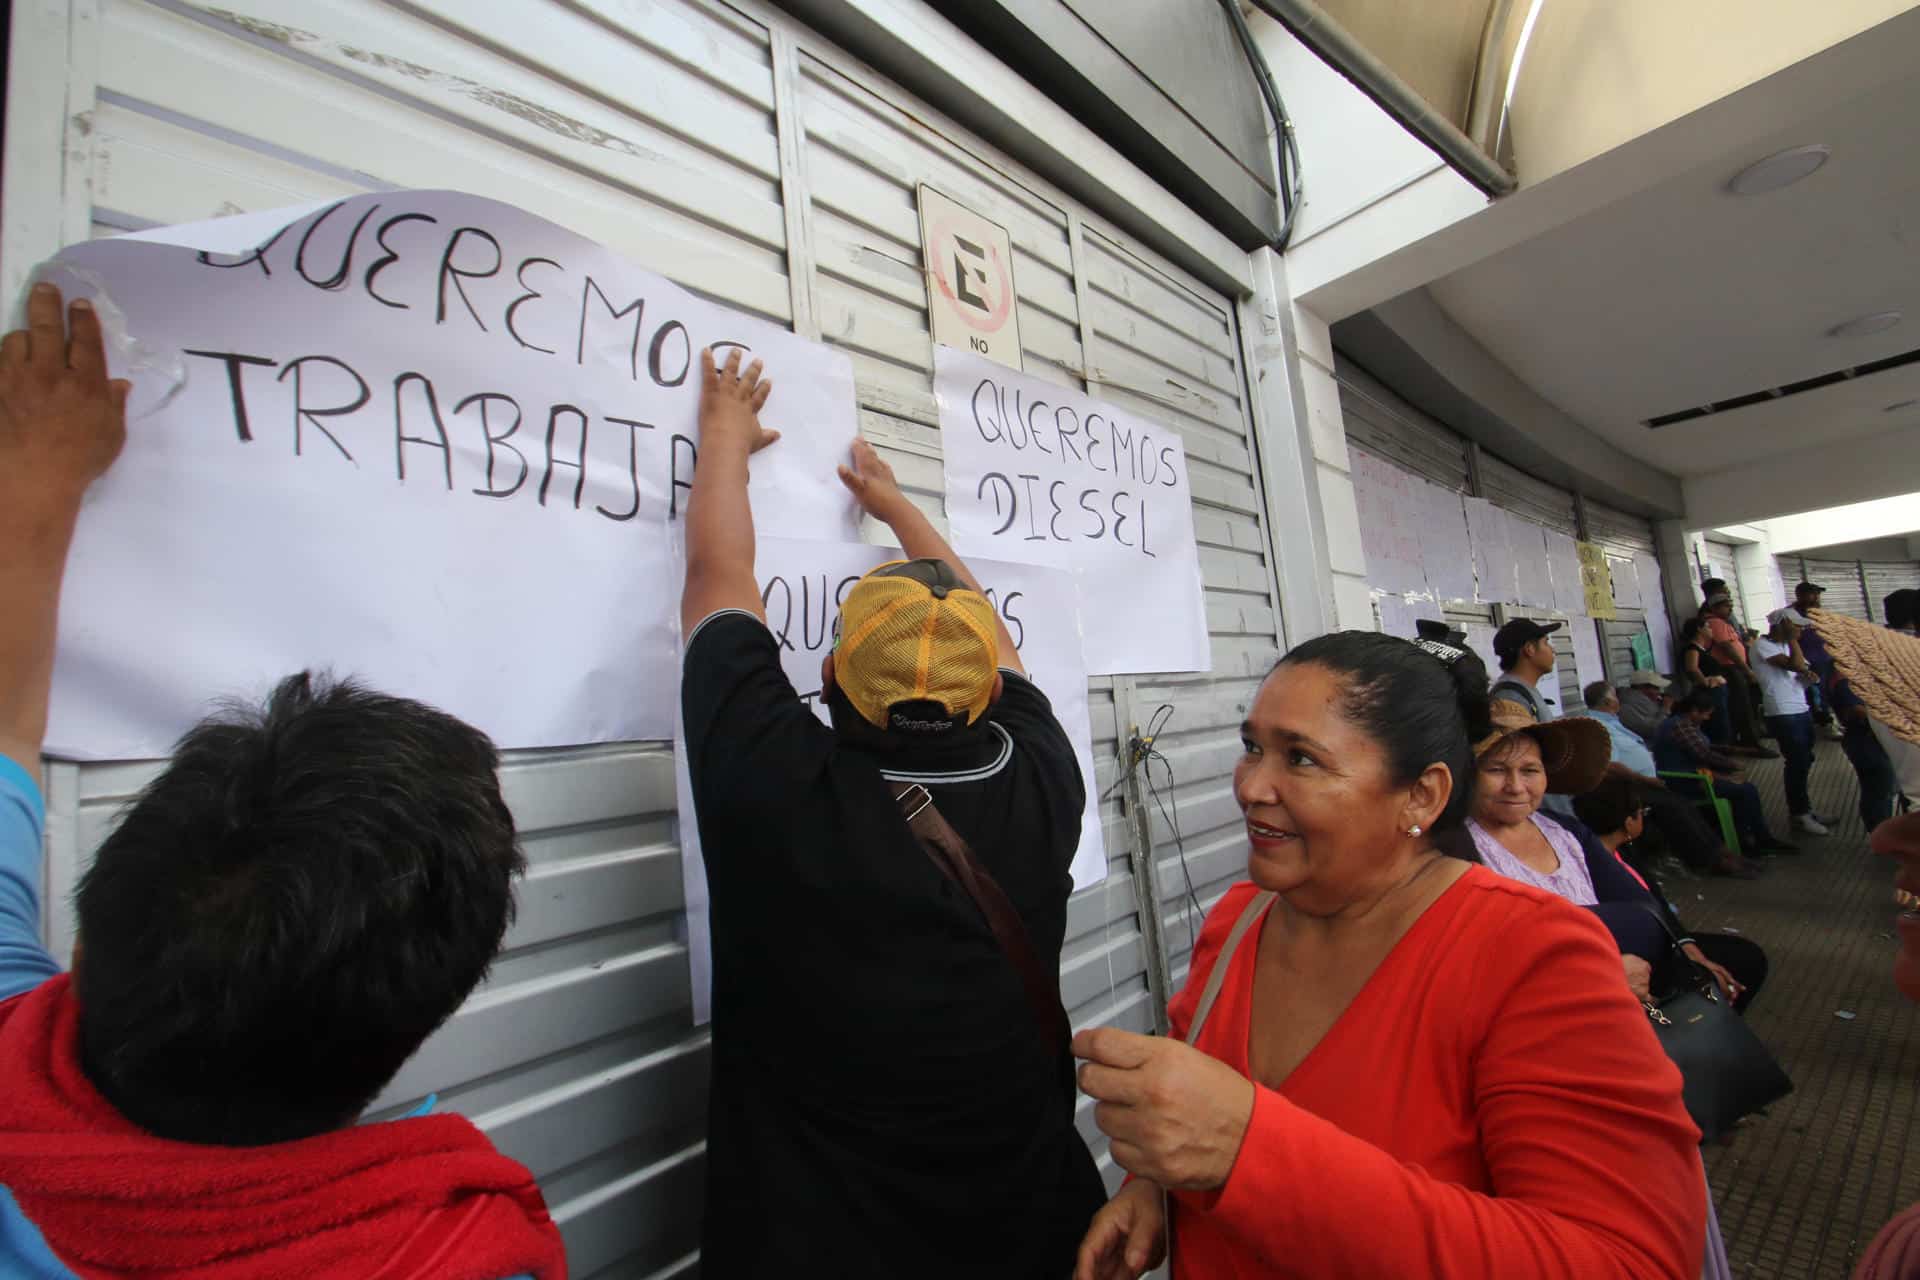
(1682, 294)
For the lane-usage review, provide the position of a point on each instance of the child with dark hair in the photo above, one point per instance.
(282, 917)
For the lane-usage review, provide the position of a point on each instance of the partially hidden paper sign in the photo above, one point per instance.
(801, 586)
(1596, 581)
(423, 438)
(1039, 473)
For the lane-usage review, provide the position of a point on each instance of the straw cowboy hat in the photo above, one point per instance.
(1575, 751)
(1882, 666)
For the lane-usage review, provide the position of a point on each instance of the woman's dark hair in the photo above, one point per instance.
(287, 912)
(1692, 627)
(1425, 703)
(1608, 806)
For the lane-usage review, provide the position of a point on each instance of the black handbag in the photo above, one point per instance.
(1725, 1071)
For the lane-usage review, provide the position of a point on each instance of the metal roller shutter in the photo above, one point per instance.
(1886, 576)
(1508, 486)
(734, 152)
(1841, 578)
(1563, 669)
(1388, 427)
(1623, 536)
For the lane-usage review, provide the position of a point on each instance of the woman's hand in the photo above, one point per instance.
(1639, 978)
(1174, 1114)
(730, 402)
(871, 482)
(1720, 975)
(1715, 682)
(1128, 1237)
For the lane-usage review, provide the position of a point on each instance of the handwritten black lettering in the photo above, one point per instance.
(980, 423)
(1119, 517)
(633, 465)
(301, 410)
(1093, 441)
(1173, 473)
(814, 638)
(389, 257)
(520, 274)
(1015, 419)
(1053, 522)
(494, 442)
(1065, 434)
(675, 483)
(234, 362)
(637, 309)
(1014, 624)
(1093, 511)
(338, 280)
(1122, 441)
(400, 437)
(659, 345)
(258, 254)
(999, 482)
(1034, 431)
(784, 612)
(1144, 550)
(579, 466)
(1033, 530)
(448, 271)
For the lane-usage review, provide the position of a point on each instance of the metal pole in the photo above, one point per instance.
(1140, 858)
(1344, 54)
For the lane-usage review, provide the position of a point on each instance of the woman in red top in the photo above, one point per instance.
(1411, 1067)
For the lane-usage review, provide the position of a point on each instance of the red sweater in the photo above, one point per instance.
(1493, 1103)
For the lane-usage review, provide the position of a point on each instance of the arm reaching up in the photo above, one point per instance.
(62, 422)
(719, 517)
(871, 482)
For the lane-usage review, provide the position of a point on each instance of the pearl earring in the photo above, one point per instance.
(1414, 830)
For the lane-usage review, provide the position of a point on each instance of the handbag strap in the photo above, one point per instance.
(1217, 977)
(950, 852)
(1710, 986)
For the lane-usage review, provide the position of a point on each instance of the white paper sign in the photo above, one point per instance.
(1588, 662)
(801, 585)
(1496, 579)
(1383, 496)
(423, 438)
(1445, 549)
(1038, 473)
(1480, 640)
(1563, 557)
(1626, 582)
(1534, 579)
(1397, 617)
(1653, 600)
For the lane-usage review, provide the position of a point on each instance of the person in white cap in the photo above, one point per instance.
(1782, 672)
(1645, 702)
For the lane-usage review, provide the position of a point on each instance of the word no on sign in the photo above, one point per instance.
(969, 280)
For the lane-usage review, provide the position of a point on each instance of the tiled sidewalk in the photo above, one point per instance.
(1803, 1189)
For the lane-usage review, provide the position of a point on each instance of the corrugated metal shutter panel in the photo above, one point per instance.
(1841, 578)
(657, 130)
(1621, 533)
(1508, 486)
(1388, 427)
(1886, 576)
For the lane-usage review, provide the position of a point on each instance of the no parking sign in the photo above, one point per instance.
(969, 262)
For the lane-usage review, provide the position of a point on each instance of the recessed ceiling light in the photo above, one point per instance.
(1780, 170)
(1898, 405)
(1862, 326)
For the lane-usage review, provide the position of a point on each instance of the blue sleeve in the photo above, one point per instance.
(24, 962)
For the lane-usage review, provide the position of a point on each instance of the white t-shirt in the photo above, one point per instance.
(1781, 692)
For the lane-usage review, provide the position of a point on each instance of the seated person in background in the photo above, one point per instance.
(1515, 766)
(1681, 747)
(1644, 702)
(274, 927)
(1615, 814)
(1677, 824)
(892, 1091)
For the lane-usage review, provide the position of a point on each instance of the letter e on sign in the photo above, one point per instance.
(969, 263)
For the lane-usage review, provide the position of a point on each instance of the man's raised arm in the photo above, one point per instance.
(719, 517)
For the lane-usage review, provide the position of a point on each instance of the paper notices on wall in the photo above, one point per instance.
(801, 586)
(424, 438)
(1533, 580)
(1038, 473)
(1445, 549)
(1563, 559)
(1626, 582)
(1496, 579)
(1389, 534)
(1653, 600)
(1588, 662)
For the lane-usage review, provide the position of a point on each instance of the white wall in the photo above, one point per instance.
(1855, 522)
(1822, 476)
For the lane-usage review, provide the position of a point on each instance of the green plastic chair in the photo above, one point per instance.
(1708, 798)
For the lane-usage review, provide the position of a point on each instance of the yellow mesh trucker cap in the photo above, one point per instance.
(912, 632)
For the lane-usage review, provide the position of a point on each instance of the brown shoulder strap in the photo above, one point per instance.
(950, 852)
(1218, 974)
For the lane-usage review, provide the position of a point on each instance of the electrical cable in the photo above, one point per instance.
(1146, 753)
(1288, 149)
